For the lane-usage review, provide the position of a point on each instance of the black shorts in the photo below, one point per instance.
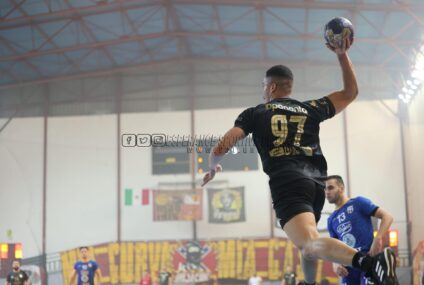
(294, 197)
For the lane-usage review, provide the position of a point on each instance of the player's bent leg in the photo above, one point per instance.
(302, 231)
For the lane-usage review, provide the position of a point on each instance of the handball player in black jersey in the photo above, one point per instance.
(286, 134)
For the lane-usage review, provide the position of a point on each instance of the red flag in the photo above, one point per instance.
(145, 197)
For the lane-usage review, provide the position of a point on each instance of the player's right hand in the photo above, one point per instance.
(340, 49)
(342, 271)
(211, 174)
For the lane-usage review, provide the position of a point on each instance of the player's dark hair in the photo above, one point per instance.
(17, 260)
(83, 247)
(279, 71)
(338, 179)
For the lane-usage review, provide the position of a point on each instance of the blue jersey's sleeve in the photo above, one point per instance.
(366, 206)
(330, 228)
(95, 266)
(75, 266)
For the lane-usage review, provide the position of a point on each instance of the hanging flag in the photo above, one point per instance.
(136, 197)
(145, 197)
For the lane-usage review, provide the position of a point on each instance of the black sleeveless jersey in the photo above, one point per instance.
(286, 134)
(17, 278)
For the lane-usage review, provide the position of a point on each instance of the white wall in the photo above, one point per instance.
(137, 221)
(375, 160)
(414, 144)
(256, 191)
(333, 145)
(82, 174)
(136, 173)
(21, 183)
(334, 148)
(81, 181)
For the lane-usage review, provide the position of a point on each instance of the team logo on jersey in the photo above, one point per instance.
(350, 209)
(344, 228)
(349, 239)
(294, 108)
(84, 267)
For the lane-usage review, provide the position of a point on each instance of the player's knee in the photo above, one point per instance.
(309, 250)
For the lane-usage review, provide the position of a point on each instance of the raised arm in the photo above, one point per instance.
(225, 144)
(341, 99)
(386, 222)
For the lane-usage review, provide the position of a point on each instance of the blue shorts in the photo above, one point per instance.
(355, 277)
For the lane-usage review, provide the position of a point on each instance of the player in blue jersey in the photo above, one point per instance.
(351, 223)
(85, 270)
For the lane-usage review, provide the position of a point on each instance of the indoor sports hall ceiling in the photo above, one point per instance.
(158, 48)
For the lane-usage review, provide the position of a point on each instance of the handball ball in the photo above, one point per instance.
(337, 30)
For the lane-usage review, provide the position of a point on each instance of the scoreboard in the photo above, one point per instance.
(170, 159)
(175, 158)
(242, 157)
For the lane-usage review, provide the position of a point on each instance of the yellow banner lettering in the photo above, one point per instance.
(126, 266)
(140, 260)
(226, 259)
(154, 259)
(288, 255)
(165, 259)
(273, 264)
(250, 263)
(98, 251)
(68, 260)
(240, 259)
(113, 267)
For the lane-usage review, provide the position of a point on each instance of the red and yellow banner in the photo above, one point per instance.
(195, 261)
(173, 205)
